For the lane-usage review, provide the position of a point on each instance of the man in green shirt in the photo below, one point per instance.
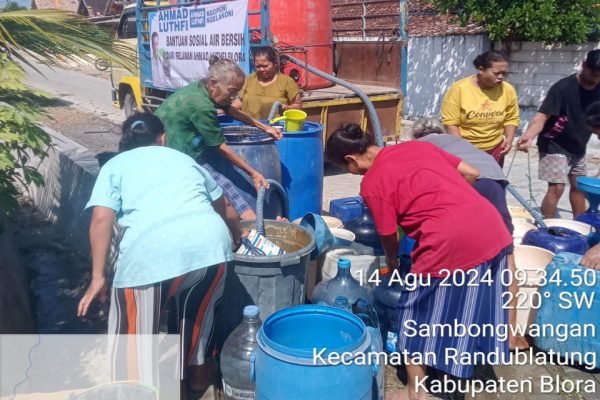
(192, 126)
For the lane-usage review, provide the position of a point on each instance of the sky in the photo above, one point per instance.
(24, 3)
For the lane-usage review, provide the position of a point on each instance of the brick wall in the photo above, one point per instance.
(535, 67)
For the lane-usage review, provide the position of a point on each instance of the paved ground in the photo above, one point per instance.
(338, 184)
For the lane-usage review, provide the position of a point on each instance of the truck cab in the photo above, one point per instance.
(330, 106)
(126, 90)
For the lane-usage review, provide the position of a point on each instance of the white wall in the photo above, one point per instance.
(434, 63)
(534, 67)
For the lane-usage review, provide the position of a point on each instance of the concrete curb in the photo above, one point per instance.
(69, 171)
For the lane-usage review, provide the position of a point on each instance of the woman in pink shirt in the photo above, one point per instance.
(459, 256)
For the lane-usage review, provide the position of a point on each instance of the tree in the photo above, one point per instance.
(13, 6)
(30, 37)
(550, 21)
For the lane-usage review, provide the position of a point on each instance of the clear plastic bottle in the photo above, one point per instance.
(235, 357)
(343, 284)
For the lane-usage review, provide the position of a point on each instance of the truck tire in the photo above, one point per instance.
(129, 105)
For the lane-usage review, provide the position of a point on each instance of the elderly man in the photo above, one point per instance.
(190, 119)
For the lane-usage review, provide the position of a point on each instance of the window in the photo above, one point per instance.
(127, 27)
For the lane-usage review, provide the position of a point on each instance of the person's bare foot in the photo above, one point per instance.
(403, 394)
(517, 342)
(200, 377)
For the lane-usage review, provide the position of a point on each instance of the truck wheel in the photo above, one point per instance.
(129, 105)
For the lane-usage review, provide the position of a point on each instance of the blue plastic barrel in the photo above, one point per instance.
(258, 149)
(226, 120)
(559, 308)
(301, 155)
(557, 239)
(286, 366)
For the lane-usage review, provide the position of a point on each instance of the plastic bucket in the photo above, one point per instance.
(343, 234)
(288, 341)
(270, 282)
(331, 222)
(293, 120)
(530, 259)
(577, 226)
(522, 226)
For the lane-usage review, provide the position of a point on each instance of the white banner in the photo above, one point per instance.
(184, 38)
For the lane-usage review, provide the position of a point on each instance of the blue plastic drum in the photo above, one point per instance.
(557, 239)
(286, 366)
(301, 155)
(258, 149)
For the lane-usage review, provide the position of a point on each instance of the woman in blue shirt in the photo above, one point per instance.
(177, 237)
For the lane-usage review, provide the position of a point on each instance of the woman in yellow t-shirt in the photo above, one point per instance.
(266, 86)
(483, 108)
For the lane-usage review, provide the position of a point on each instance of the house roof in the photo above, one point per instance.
(65, 5)
(96, 8)
(383, 17)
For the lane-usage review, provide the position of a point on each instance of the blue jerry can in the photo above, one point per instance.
(570, 297)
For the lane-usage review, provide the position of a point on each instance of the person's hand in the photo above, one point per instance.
(97, 288)
(276, 133)
(524, 143)
(591, 258)
(506, 146)
(259, 181)
(392, 262)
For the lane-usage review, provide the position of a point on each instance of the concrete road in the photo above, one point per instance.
(87, 93)
(91, 95)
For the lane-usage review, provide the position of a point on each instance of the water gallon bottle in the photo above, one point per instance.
(342, 285)
(365, 311)
(235, 357)
(387, 295)
(342, 303)
(364, 229)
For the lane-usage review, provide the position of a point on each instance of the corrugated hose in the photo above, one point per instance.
(260, 199)
(363, 96)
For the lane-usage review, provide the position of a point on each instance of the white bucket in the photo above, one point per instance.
(518, 212)
(531, 259)
(522, 226)
(581, 227)
(360, 265)
(331, 222)
(343, 234)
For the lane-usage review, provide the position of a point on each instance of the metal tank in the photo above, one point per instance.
(303, 23)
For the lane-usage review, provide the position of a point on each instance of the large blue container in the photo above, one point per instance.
(558, 307)
(346, 209)
(258, 149)
(286, 368)
(301, 155)
(557, 239)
